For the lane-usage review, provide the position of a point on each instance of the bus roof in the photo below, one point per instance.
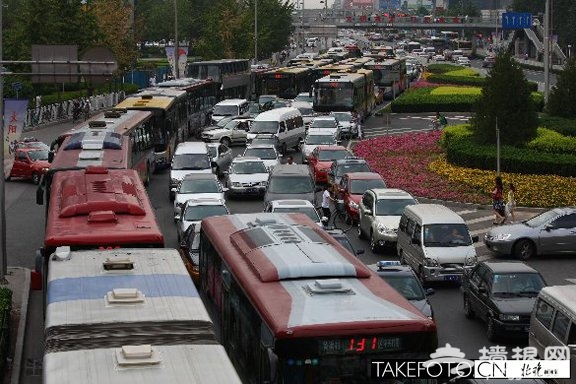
(113, 120)
(100, 207)
(294, 70)
(152, 98)
(297, 277)
(107, 298)
(342, 77)
(193, 364)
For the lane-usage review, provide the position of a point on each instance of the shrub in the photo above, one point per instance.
(442, 91)
(564, 126)
(550, 141)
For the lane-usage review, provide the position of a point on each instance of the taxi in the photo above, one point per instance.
(30, 163)
(321, 159)
(353, 185)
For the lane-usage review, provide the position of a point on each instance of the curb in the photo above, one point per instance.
(19, 349)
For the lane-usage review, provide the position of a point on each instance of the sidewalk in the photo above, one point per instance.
(19, 283)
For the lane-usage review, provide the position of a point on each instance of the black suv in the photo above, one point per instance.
(503, 295)
(347, 165)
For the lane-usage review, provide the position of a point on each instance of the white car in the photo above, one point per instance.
(195, 210)
(294, 206)
(306, 111)
(234, 132)
(266, 152)
(197, 186)
(314, 138)
(348, 124)
(439, 58)
(463, 60)
(327, 123)
(247, 176)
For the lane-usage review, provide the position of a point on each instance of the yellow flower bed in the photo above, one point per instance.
(441, 91)
(466, 72)
(531, 190)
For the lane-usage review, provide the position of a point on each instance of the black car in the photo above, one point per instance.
(403, 279)
(503, 295)
(341, 237)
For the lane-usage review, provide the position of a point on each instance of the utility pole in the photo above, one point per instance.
(546, 51)
(3, 252)
(176, 48)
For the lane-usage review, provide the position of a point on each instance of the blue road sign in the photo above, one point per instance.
(516, 20)
(17, 86)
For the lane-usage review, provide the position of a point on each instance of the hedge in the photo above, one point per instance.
(566, 127)
(5, 309)
(461, 150)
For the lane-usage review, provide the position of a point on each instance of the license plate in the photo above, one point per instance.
(452, 278)
(251, 190)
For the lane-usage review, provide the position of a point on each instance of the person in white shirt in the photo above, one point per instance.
(326, 198)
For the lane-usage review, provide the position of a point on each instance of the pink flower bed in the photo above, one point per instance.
(403, 160)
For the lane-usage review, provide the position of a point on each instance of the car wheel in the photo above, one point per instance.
(373, 244)
(360, 233)
(491, 329)
(468, 312)
(524, 249)
(226, 141)
(36, 178)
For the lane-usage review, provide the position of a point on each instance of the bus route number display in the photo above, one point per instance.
(359, 345)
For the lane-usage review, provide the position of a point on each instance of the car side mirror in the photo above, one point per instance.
(475, 238)
(548, 227)
(338, 142)
(430, 291)
(360, 251)
(177, 217)
(173, 190)
(225, 189)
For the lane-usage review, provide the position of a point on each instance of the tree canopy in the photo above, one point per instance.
(505, 103)
(562, 98)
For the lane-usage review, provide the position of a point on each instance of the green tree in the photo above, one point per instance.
(562, 98)
(505, 101)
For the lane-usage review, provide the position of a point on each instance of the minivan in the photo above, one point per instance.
(435, 242)
(229, 107)
(553, 323)
(286, 124)
(289, 181)
(189, 157)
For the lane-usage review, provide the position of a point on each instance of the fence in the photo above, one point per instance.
(61, 111)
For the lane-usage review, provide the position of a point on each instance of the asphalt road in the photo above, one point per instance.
(25, 230)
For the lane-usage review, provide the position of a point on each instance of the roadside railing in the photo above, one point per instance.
(57, 112)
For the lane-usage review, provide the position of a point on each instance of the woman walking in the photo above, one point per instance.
(498, 202)
(511, 202)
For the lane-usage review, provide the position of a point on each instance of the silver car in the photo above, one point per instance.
(221, 157)
(234, 132)
(314, 138)
(247, 176)
(551, 232)
(195, 210)
(266, 152)
(197, 186)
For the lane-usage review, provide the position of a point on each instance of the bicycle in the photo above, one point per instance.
(338, 218)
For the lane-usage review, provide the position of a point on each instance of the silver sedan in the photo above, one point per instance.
(551, 232)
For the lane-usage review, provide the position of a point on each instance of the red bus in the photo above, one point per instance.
(116, 139)
(97, 208)
(294, 306)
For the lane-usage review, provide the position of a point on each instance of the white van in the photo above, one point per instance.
(553, 323)
(229, 107)
(285, 124)
(189, 157)
(435, 242)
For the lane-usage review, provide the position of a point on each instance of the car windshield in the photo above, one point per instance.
(308, 211)
(263, 153)
(199, 186)
(323, 123)
(247, 167)
(349, 168)
(38, 155)
(541, 219)
(331, 155)
(231, 124)
(517, 284)
(191, 162)
(392, 207)
(291, 184)
(225, 110)
(200, 212)
(446, 235)
(342, 116)
(358, 187)
(407, 286)
(320, 140)
(222, 123)
(264, 127)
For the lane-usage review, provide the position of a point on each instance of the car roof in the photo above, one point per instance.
(205, 201)
(319, 132)
(324, 117)
(200, 176)
(349, 160)
(390, 193)
(509, 267)
(364, 175)
(245, 159)
(289, 203)
(290, 169)
(261, 145)
(331, 148)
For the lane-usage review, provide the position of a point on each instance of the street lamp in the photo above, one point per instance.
(546, 50)
(255, 31)
(3, 253)
(176, 49)
(569, 47)
(325, 2)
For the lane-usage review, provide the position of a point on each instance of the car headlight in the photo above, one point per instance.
(235, 184)
(382, 229)
(505, 317)
(263, 183)
(430, 262)
(353, 205)
(501, 237)
(471, 260)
